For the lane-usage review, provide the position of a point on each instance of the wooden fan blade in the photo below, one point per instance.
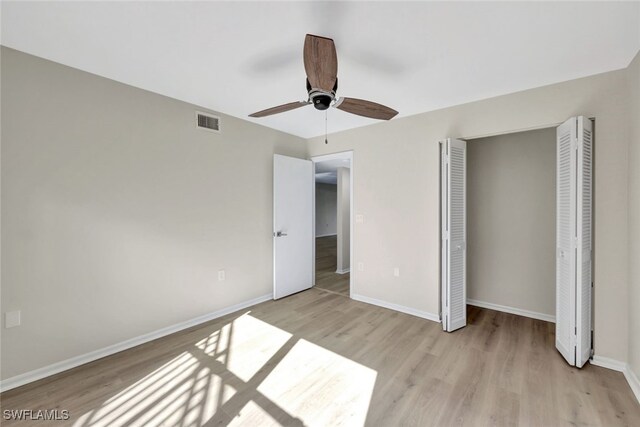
(320, 62)
(280, 109)
(365, 108)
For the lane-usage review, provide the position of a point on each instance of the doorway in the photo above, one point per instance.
(511, 220)
(515, 239)
(333, 207)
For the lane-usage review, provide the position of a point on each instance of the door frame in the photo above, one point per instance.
(594, 142)
(321, 158)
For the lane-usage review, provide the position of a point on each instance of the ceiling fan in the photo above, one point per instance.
(321, 66)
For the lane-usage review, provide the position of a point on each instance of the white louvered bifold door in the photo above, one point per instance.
(573, 236)
(583, 249)
(454, 234)
(565, 236)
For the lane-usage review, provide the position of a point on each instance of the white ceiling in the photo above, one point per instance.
(327, 171)
(240, 57)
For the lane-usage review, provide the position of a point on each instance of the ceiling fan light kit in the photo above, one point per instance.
(321, 66)
(321, 101)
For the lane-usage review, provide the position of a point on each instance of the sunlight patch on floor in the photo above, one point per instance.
(320, 387)
(250, 373)
(181, 389)
(245, 345)
(253, 415)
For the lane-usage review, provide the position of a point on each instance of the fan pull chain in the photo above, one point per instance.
(325, 126)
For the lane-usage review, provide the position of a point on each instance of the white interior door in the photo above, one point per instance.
(454, 234)
(293, 182)
(573, 237)
(583, 250)
(565, 238)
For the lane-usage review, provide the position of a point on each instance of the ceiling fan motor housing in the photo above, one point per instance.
(321, 100)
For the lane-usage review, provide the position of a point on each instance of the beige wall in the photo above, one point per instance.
(117, 212)
(344, 209)
(634, 216)
(396, 189)
(511, 220)
(326, 209)
(94, 257)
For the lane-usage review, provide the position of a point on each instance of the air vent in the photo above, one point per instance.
(207, 122)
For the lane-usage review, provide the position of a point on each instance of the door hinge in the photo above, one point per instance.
(574, 144)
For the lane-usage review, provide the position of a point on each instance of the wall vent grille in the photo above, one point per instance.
(207, 122)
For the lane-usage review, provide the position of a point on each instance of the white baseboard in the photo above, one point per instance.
(608, 363)
(512, 310)
(619, 366)
(343, 271)
(73, 362)
(325, 235)
(396, 307)
(633, 381)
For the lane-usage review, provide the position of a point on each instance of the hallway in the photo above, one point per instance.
(326, 265)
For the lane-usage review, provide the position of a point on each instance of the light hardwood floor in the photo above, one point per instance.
(326, 266)
(318, 358)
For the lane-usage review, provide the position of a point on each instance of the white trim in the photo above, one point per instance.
(73, 362)
(348, 154)
(352, 219)
(512, 310)
(326, 235)
(313, 225)
(633, 381)
(608, 363)
(343, 271)
(320, 158)
(518, 130)
(511, 131)
(397, 307)
(619, 366)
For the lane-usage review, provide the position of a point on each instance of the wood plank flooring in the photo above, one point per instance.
(326, 266)
(318, 358)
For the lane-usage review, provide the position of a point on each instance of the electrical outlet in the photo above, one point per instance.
(12, 319)
(396, 272)
(359, 219)
(221, 275)
(361, 266)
